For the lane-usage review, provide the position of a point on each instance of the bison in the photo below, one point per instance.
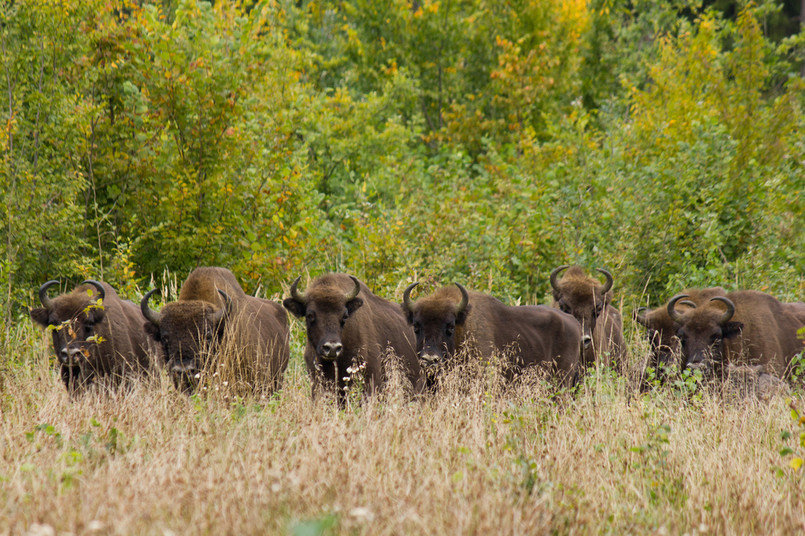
(214, 315)
(348, 325)
(589, 302)
(743, 327)
(453, 320)
(660, 328)
(95, 333)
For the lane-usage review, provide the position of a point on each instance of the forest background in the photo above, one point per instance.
(456, 140)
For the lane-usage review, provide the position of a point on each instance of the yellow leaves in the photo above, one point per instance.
(795, 463)
(391, 68)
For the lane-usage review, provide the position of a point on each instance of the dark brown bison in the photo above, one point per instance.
(745, 327)
(590, 303)
(453, 320)
(348, 325)
(95, 333)
(214, 315)
(661, 329)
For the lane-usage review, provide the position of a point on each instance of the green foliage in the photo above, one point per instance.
(793, 448)
(467, 141)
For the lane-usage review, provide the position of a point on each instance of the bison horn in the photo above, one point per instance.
(673, 313)
(352, 295)
(98, 287)
(407, 297)
(555, 273)
(688, 303)
(43, 294)
(150, 315)
(224, 311)
(730, 309)
(465, 299)
(608, 284)
(295, 293)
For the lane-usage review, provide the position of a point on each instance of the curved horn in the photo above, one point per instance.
(224, 311)
(555, 274)
(98, 287)
(43, 294)
(150, 315)
(354, 293)
(675, 316)
(730, 309)
(640, 315)
(465, 299)
(407, 297)
(688, 303)
(295, 293)
(608, 284)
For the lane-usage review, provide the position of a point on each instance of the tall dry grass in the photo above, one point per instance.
(477, 457)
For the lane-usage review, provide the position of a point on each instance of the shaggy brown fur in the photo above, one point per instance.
(191, 332)
(661, 331)
(602, 326)
(762, 331)
(524, 335)
(120, 346)
(342, 332)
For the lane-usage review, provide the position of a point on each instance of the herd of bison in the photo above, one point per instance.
(96, 334)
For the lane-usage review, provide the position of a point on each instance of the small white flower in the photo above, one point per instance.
(198, 375)
(361, 512)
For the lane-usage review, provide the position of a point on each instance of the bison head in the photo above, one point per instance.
(326, 310)
(74, 320)
(189, 332)
(583, 297)
(434, 319)
(702, 331)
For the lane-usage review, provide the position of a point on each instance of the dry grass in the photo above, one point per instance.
(478, 457)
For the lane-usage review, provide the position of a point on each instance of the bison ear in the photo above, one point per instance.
(353, 305)
(296, 308)
(152, 329)
(462, 316)
(731, 329)
(556, 295)
(40, 316)
(407, 313)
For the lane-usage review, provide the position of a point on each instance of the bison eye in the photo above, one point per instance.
(310, 317)
(714, 339)
(344, 319)
(417, 329)
(449, 330)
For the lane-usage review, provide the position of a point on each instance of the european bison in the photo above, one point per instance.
(744, 327)
(95, 333)
(453, 320)
(214, 315)
(661, 330)
(347, 325)
(590, 303)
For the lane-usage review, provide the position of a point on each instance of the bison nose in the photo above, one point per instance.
(430, 359)
(586, 341)
(331, 350)
(184, 367)
(70, 356)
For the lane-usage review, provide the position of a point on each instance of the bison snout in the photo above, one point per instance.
(70, 356)
(331, 350)
(586, 341)
(184, 367)
(430, 359)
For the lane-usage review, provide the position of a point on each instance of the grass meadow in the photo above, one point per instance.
(479, 457)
